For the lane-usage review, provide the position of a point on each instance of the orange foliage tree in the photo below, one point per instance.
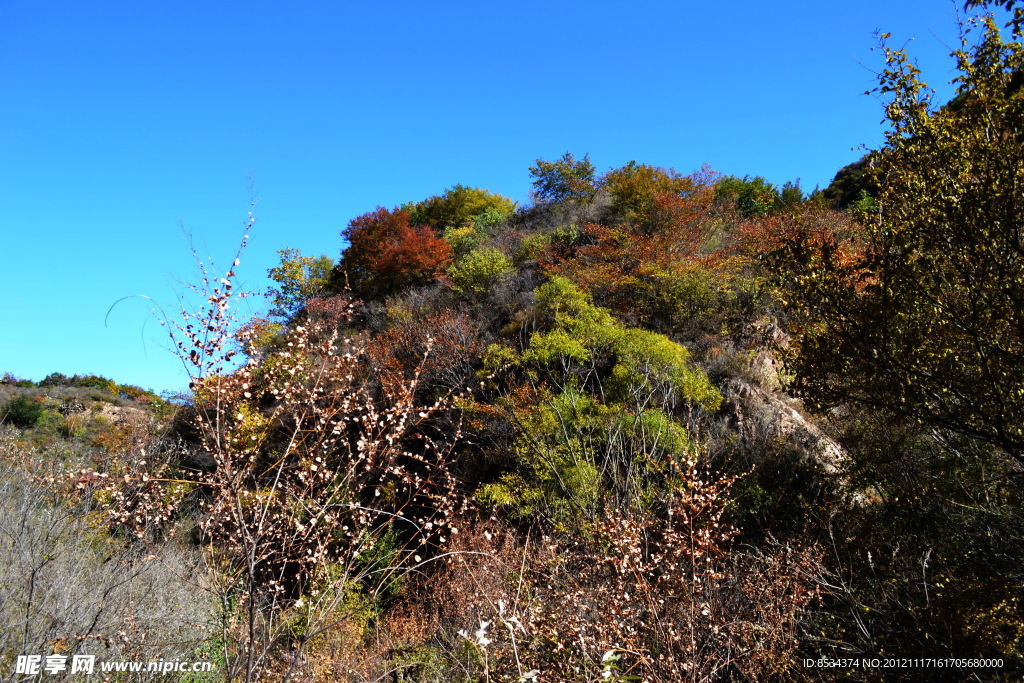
(387, 253)
(635, 187)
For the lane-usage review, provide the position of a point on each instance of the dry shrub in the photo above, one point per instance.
(663, 596)
(320, 492)
(314, 484)
(71, 588)
(468, 620)
(442, 347)
(486, 566)
(330, 312)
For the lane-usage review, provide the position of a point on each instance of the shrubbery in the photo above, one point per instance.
(557, 444)
(23, 411)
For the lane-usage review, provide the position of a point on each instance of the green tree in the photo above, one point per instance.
(645, 366)
(851, 183)
(479, 270)
(754, 196)
(461, 205)
(23, 411)
(299, 278)
(791, 195)
(564, 179)
(56, 379)
(598, 412)
(926, 319)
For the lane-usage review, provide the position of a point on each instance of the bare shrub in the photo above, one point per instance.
(70, 588)
(323, 484)
(661, 596)
(442, 347)
(666, 597)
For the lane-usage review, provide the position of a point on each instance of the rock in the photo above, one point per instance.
(763, 417)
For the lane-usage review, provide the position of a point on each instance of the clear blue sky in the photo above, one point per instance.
(123, 121)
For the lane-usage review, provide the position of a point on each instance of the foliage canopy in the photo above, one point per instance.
(927, 318)
(460, 205)
(564, 179)
(299, 278)
(386, 252)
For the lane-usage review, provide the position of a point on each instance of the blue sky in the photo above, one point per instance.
(124, 123)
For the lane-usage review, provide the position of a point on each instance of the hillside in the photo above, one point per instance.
(653, 426)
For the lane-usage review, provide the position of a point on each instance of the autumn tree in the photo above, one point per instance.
(1012, 6)
(675, 269)
(386, 252)
(635, 187)
(928, 321)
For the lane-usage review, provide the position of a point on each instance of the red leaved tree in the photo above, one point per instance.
(387, 253)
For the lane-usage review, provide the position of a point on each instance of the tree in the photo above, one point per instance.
(564, 179)
(299, 278)
(850, 183)
(1017, 19)
(673, 272)
(386, 252)
(22, 411)
(756, 196)
(635, 188)
(927, 319)
(597, 407)
(479, 270)
(461, 205)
